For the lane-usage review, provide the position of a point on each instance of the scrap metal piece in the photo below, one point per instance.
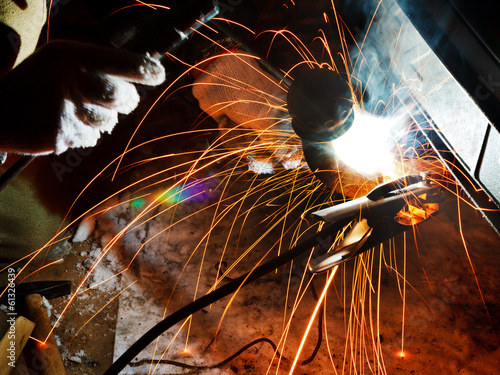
(48, 289)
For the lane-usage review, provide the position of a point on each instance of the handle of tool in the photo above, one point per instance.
(15, 169)
(41, 357)
(13, 342)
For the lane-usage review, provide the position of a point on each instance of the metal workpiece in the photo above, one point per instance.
(464, 36)
(446, 69)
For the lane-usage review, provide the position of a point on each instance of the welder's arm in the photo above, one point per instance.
(237, 93)
(66, 94)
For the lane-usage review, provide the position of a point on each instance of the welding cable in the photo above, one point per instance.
(224, 291)
(210, 367)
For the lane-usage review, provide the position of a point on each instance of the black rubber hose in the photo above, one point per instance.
(209, 367)
(222, 292)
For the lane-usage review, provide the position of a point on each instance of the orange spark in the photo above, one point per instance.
(313, 316)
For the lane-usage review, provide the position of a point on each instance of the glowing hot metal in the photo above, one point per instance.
(367, 147)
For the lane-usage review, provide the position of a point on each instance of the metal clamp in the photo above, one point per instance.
(389, 209)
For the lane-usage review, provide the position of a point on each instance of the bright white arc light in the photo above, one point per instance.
(367, 147)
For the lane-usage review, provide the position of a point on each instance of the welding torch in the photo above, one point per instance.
(148, 34)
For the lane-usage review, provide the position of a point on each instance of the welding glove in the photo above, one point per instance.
(67, 93)
(248, 104)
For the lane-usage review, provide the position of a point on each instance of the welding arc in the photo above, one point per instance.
(222, 292)
(209, 367)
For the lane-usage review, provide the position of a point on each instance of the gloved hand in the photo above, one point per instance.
(67, 93)
(237, 93)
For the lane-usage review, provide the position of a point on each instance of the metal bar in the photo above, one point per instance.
(14, 170)
(474, 189)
